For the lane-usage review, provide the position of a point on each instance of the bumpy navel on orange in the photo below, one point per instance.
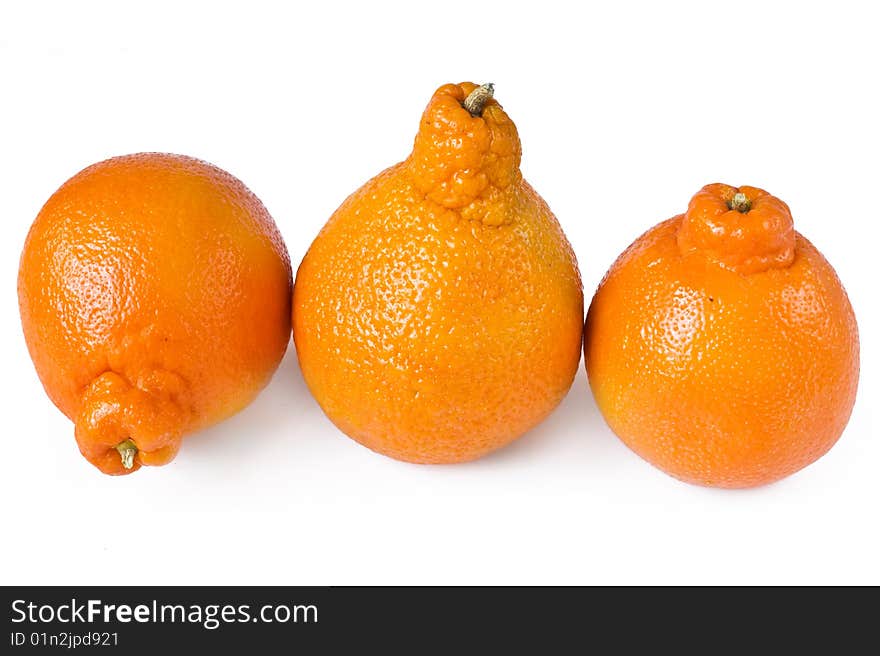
(721, 346)
(438, 315)
(155, 299)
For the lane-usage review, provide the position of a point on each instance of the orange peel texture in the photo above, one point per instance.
(154, 293)
(438, 314)
(721, 346)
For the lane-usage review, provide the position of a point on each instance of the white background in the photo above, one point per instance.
(624, 111)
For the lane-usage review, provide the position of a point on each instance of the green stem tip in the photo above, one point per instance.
(740, 202)
(127, 451)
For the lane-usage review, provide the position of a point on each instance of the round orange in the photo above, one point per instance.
(155, 299)
(721, 346)
(438, 315)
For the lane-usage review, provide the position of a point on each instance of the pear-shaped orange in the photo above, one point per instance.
(155, 300)
(438, 314)
(721, 346)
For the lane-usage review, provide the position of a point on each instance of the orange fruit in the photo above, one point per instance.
(721, 346)
(438, 314)
(155, 299)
